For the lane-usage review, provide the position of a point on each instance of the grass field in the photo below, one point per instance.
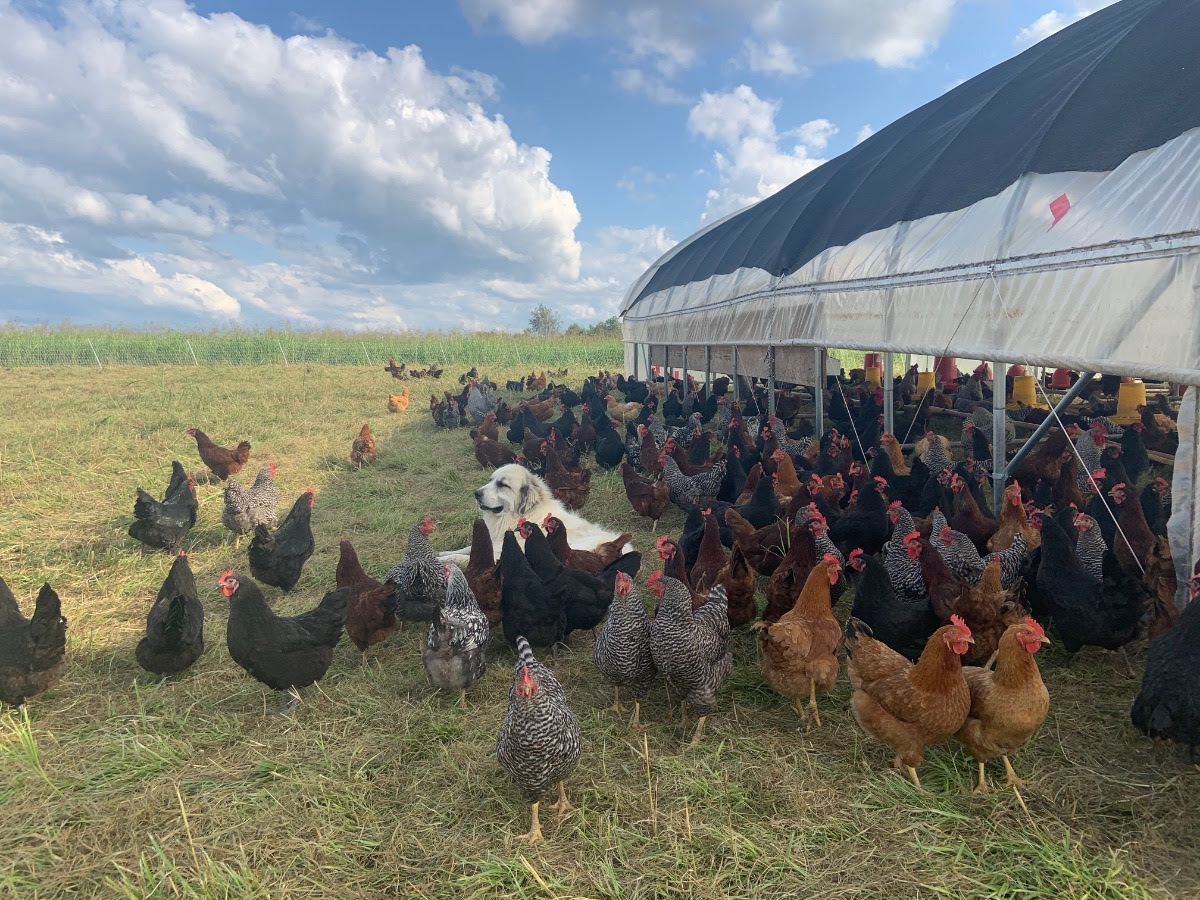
(118, 785)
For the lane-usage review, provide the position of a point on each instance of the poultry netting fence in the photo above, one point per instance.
(120, 348)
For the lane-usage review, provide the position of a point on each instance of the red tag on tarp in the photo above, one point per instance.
(1058, 208)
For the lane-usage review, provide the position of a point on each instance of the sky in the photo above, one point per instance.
(411, 165)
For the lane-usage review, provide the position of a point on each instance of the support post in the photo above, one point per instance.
(636, 350)
(737, 382)
(666, 368)
(819, 392)
(1085, 378)
(707, 370)
(999, 447)
(888, 381)
(771, 380)
(685, 371)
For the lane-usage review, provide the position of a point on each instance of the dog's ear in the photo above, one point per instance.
(523, 504)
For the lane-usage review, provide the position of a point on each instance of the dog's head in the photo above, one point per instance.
(512, 491)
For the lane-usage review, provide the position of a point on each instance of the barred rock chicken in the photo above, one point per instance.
(164, 524)
(417, 583)
(1007, 704)
(362, 451)
(691, 649)
(457, 638)
(277, 557)
(174, 636)
(539, 742)
(649, 499)
(244, 509)
(31, 650)
(694, 490)
(370, 618)
(220, 461)
(799, 651)
(284, 653)
(1168, 704)
(482, 574)
(909, 707)
(622, 647)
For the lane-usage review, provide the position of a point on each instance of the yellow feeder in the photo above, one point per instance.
(1129, 397)
(874, 376)
(1024, 393)
(925, 383)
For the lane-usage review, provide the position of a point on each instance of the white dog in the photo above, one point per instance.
(514, 493)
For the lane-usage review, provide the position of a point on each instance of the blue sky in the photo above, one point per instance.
(419, 165)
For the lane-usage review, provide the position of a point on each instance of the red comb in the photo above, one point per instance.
(912, 536)
(958, 622)
(1037, 629)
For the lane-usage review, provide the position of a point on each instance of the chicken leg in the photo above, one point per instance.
(982, 787)
(636, 721)
(562, 805)
(535, 827)
(616, 704)
(812, 711)
(908, 771)
(1011, 776)
(288, 701)
(462, 697)
(699, 731)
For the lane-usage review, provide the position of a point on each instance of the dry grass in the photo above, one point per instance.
(116, 785)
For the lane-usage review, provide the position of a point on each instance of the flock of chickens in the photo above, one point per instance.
(948, 595)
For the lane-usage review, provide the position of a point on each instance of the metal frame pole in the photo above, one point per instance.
(771, 380)
(888, 382)
(999, 445)
(685, 369)
(666, 368)
(1085, 378)
(707, 370)
(737, 382)
(819, 392)
(636, 351)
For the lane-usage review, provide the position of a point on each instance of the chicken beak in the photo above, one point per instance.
(969, 640)
(1043, 640)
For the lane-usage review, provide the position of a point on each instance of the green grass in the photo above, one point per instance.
(118, 785)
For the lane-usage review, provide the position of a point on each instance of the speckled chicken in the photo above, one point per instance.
(457, 638)
(418, 582)
(174, 636)
(31, 650)
(244, 509)
(277, 557)
(691, 649)
(622, 647)
(539, 743)
(687, 491)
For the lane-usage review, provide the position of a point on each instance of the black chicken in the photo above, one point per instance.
(530, 608)
(1168, 705)
(284, 653)
(31, 650)
(164, 524)
(277, 557)
(610, 448)
(175, 625)
(867, 526)
(904, 624)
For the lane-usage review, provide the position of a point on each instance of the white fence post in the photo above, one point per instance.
(94, 353)
(193, 352)
(279, 344)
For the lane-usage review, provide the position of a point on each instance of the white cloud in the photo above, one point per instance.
(771, 36)
(653, 87)
(136, 133)
(863, 133)
(750, 163)
(1047, 24)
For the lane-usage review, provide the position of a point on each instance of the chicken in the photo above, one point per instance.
(220, 461)
(31, 650)
(417, 583)
(649, 499)
(868, 525)
(483, 576)
(491, 454)
(398, 403)
(1159, 432)
(909, 707)
(277, 557)
(764, 547)
(740, 582)
(1168, 704)
(264, 498)
(710, 559)
(787, 484)
(396, 371)
(539, 742)
(1008, 704)
(285, 653)
(1161, 585)
(1013, 521)
(174, 636)
(583, 560)
(572, 488)
(787, 580)
(691, 649)
(696, 490)
(967, 516)
(626, 412)
(370, 617)
(799, 651)
(1139, 540)
(622, 647)
(457, 638)
(902, 622)
(362, 451)
(1086, 611)
(529, 608)
(164, 524)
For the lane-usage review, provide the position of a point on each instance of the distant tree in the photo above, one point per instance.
(607, 328)
(575, 329)
(544, 321)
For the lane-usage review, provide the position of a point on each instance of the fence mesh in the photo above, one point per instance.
(20, 347)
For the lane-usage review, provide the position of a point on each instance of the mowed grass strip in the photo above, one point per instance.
(115, 784)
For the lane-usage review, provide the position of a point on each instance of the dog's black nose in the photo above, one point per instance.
(479, 495)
